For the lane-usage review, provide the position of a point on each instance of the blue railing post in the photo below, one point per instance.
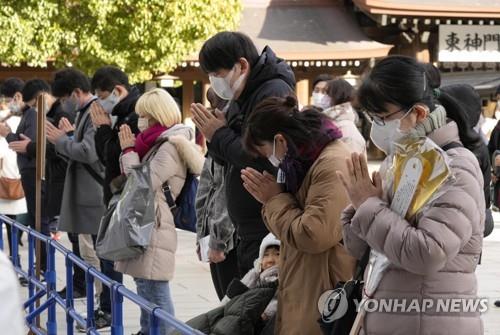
(154, 323)
(31, 269)
(50, 277)
(69, 295)
(1, 234)
(89, 281)
(38, 289)
(116, 310)
(14, 245)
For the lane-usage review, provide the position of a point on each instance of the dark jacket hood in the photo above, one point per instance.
(267, 67)
(127, 105)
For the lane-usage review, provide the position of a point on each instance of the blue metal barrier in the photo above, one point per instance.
(38, 288)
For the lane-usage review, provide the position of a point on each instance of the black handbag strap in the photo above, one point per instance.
(94, 174)
(165, 187)
(361, 265)
(452, 145)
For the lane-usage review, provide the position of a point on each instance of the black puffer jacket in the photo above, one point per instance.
(107, 143)
(55, 165)
(240, 316)
(269, 77)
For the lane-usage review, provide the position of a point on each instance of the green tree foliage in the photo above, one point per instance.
(142, 37)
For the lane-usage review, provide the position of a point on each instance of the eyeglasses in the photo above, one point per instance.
(380, 120)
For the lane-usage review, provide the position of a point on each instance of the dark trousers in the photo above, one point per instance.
(224, 272)
(28, 179)
(108, 269)
(247, 253)
(9, 234)
(78, 274)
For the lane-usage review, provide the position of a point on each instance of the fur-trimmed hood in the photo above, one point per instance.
(182, 138)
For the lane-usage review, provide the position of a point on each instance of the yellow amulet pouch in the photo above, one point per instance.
(418, 170)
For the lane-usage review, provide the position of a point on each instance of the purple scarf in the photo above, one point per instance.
(299, 160)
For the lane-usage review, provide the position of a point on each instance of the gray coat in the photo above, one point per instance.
(211, 211)
(82, 206)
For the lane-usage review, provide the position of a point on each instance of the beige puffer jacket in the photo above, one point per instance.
(170, 163)
(345, 117)
(433, 257)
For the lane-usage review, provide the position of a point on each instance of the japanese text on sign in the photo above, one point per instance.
(469, 43)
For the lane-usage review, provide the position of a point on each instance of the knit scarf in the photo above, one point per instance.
(146, 139)
(435, 120)
(298, 161)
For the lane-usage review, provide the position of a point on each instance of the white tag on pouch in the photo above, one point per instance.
(407, 186)
(204, 247)
(281, 179)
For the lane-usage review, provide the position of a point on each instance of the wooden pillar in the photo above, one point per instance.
(187, 98)
(423, 56)
(204, 88)
(302, 91)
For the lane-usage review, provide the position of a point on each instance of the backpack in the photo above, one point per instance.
(183, 208)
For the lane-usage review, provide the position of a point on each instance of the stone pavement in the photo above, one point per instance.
(192, 289)
(193, 292)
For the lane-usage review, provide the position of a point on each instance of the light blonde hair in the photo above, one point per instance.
(157, 104)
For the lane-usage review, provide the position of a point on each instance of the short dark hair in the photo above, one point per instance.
(340, 91)
(33, 87)
(498, 90)
(11, 86)
(107, 77)
(272, 246)
(224, 49)
(322, 77)
(69, 79)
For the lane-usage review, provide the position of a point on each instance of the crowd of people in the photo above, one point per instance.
(284, 197)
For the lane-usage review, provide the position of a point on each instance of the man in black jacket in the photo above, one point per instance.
(115, 107)
(55, 165)
(239, 74)
(12, 89)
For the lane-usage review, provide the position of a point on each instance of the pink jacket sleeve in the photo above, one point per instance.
(355, 245)
(441, 232)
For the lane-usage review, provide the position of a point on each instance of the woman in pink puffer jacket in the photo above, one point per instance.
(434, 255)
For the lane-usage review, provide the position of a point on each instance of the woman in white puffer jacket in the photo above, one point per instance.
(343, 114)
(8, 169)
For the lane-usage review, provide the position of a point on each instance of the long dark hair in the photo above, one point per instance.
(281, 115)
(402, 81)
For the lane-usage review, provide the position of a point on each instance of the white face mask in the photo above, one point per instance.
(275, 161)
(142, 124)
(384, 136)
(14, 107)
(110, 102)
(70, 105)
(321, 100)
(222, 86)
